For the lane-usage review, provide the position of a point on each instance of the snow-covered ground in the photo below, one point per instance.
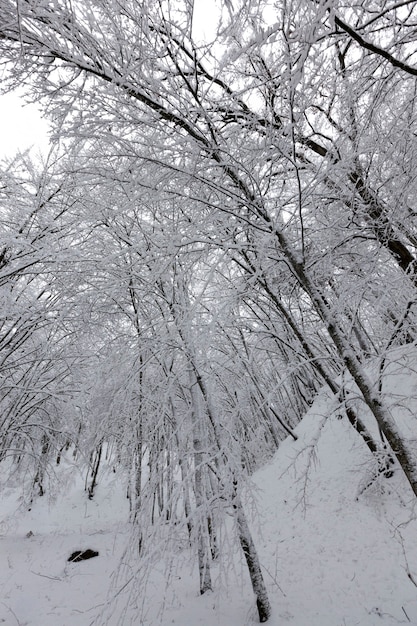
(335, 550)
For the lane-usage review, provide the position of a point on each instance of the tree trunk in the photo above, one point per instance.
(370, 395)
(252, 560)
(42, 463)
(94, 471)
(384, 459)
(203, 549)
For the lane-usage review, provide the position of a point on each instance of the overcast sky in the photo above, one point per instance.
(21, 126)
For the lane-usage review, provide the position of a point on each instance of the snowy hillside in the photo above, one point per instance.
(337, 548)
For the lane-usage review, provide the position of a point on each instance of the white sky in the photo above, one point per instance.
(21, 126)
(206, 15)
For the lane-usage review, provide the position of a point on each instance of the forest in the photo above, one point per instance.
(224, 225)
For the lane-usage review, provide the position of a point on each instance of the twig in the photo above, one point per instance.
(13, 613)
(407, 567)
(405, 613)
(45, 576)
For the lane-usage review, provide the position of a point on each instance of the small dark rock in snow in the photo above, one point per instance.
(82, 555)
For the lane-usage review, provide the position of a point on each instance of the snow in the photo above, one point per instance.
(337, 547)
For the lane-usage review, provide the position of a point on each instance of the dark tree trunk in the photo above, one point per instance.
(252, 561)
(94, 471)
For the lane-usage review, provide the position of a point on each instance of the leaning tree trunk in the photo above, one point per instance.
(245, 538)
(200, 395)
(384, 459)
(252, 559)
(370, 395)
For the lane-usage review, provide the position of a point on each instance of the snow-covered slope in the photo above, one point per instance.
(337, 548)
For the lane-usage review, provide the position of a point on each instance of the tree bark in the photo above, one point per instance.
(252, 559)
